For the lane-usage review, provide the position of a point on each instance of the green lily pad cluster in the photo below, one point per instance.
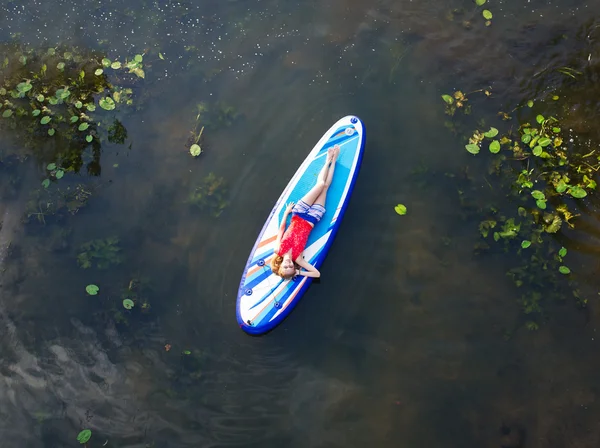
(544, 174)
(63, 95)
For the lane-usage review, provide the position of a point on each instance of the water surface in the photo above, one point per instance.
(408, 340)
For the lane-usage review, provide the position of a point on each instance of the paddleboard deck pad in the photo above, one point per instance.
(265, 299)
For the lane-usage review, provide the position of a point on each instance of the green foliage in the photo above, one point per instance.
(210, 195)
(92, 290)
(101, 253)
(400, 209)
(84, 436)
(54, 201)
(55, 94)
(544, 174)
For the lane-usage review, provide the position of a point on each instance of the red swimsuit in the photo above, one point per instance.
(295, 237)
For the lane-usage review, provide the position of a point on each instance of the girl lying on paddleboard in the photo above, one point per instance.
(309, 210)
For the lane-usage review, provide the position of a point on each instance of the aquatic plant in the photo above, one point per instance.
(54, 201)
(400, 209)
(102, 253)
(544, 173)
(92, 289)
(210, 117)
(57, 101)
(84, 436)
(210, 195)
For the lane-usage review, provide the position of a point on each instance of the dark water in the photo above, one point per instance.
(409, 339)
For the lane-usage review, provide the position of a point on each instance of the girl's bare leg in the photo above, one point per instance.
(323, 196)
(317, 190)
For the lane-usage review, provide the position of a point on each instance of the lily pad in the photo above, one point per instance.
(195, 150)
(495, 147)
(83, 126)
(564, 270)
(525, 244)
(491, 133)
(128, 304)
(400, 209)
(92, 289)
(487, 14)
(472, 148)
(84, 436)
(107, 103)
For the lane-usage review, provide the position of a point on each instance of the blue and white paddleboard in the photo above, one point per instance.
(265, 299)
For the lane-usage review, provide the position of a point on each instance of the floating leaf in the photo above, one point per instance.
(561, 186)
(106, 62)
(128, 304)
(84, 436)
(537, 151)
(36, 112)
(46, 183)
(24, 87)
(91, 107)
(540, 119)
(537, 194)
(139, 72)
(83, 126)
(472, 148)
(564, 270)
(495, 147)
(89, 138)
(51, 132)
(541, 204)
(526, 138)
(525, 244)
(530, 103)
(556, 130)
(562, 252)
(480, 2)
(544, 141)
(161, 56)
(400, 209)
(487, 14)
(98, 72)
(92, 289)
(60, 66)
(40, 98)
(554, 226)
(448, 99)
(45, 120)
(59, 174)
(74, 118)
(577, 192)
(138, 58)
(51, 166)
(62, 94)
(7, 113)
(107, 103)
(187, 352)
(115, 65)
(23, 59)
(491, 133)
(195, 150)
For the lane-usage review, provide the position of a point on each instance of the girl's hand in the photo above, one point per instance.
(289, 207)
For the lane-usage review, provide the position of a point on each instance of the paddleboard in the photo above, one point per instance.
(265, 299)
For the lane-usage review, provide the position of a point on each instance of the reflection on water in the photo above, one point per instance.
(408, 339)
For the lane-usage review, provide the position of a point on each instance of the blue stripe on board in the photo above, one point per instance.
(267, 296)
(255, 281)
(261, 256)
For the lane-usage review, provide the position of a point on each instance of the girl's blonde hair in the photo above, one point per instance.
(276, 266)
